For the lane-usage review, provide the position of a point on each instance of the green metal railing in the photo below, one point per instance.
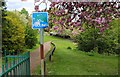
(16, 65)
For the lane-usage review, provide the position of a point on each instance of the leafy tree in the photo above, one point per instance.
(30, 34)
(2, 11)
(24, 11)
(92, 20)
(106, 42)
(2, 18)
(13, 33)
(71, 15)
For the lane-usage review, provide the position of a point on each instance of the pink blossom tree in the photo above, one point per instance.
(70, 15)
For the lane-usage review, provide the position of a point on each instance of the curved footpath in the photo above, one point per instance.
(35, 56)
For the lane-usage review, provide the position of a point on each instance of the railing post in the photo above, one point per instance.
(3, 69)
(28, 63)
(14, 64)
(19, 65)
(6, 63)
(50, 58)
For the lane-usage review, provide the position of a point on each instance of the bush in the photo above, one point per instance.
(12, 33)
(69, 48)
(17, 33)
(107, 42)
(30, 37)
(86, 40)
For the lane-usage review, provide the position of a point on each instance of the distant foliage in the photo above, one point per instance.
(95, 23)
(17, 34)
(30, 37)
(30, 34)
(13, 33)
(86, 40)
(106, 42)
(24, 11)
(69, 15)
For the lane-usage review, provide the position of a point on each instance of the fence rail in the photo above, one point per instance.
(19, 65)
(16, 65)
(50, 53)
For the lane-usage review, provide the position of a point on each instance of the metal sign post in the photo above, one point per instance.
(40, 21)
(42, 52)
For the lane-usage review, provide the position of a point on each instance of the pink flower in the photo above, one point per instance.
(81, 29)
(52, 5)
(103, 20)
(69, 20)
(102, 29)
(55, 27)
(59, 32)
(72, 23)
(98, 20)
(77, 24)
(97, 26)
(54, 20)
(62, 11)
(106, 25)
(63, 18)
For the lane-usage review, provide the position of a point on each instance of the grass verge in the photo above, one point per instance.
(69, 61)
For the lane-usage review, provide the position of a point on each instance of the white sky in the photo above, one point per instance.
(28, 5)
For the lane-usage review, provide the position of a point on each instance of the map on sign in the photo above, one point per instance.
(39, 20)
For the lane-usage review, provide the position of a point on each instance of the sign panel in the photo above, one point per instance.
(39, 20)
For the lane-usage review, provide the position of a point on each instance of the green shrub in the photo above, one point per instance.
(12, 33)
(30, 37)
(69, 48)
(106, 42)
(86, 40)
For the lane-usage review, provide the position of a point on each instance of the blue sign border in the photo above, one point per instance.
(43, 22)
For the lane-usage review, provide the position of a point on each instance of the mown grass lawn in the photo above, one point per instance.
(73, 62)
